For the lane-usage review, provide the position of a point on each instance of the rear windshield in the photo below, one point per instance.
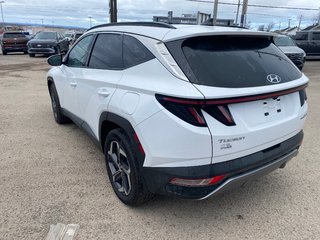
(14, 35)
(232, 61)
(284, 41)
(46, 35)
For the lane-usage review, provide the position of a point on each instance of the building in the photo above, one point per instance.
(192, 19)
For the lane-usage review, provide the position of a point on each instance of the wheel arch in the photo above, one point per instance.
(109, 121)
(49, 82)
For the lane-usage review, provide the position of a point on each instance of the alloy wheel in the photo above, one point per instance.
(119, 167)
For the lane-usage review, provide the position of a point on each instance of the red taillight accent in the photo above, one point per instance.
(183, 101)
(201, 182)
(197, 116)
(136, 139)
(226, 113)
(254, 97)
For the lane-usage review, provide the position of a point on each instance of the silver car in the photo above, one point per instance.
(289, 47)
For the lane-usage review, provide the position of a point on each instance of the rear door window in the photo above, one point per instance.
(301, 36)
(315, 36)
(107, 52)
(233, 61)
(78, 56)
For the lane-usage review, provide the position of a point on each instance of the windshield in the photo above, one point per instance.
(14, 35)
(232, 61)
(283, 41)
(46, 35)
(78, 35)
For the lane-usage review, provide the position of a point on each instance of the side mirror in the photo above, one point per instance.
(55, 60)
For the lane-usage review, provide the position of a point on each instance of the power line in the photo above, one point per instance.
(258, 5)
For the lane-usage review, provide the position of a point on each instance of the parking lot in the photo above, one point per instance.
(51, 173)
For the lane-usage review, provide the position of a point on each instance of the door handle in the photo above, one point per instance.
(103, 92)
(73, 84)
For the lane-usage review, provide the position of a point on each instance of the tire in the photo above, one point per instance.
(32, 55)
(56, 108)
(123, 169)
(4, 52)
(25, 52)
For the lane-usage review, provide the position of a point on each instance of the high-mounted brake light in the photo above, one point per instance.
(197, 182)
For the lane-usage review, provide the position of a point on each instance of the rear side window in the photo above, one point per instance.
(134, 52)
(234, 62)
(79, 54)
(315, 36)
(14, 35)
(301, 36)
(107, 52)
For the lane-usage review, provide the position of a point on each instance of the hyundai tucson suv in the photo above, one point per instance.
(48, 43)
(290, 48)
(186, 111)
(14, 42)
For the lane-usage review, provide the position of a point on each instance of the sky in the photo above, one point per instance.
(77, 12)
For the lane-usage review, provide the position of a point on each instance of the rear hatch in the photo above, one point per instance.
(254, 95)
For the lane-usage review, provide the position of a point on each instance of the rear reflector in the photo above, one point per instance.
(197, 182)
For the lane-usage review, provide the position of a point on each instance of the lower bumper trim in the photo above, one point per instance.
(239, 180)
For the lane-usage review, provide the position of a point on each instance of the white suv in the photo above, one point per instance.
(187, 111)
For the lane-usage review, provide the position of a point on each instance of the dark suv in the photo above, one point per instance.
(48, 43)
(14, 42)
(309, 41)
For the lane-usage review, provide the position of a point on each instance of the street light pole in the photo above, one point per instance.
(1, 2)
(90, 21)
(244, 13)
(215, 12)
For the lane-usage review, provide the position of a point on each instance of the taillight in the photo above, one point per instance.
(190, 110)
(303, 96)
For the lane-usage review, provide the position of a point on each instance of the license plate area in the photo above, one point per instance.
(272, 107)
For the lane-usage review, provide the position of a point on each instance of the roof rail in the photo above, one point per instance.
(142, 24)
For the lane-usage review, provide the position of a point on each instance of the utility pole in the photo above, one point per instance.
(113, 11)
(300, 19)
(319, 17)
(215, 12)
(42, 24)
(244, 13)
(238, 9)
(1, 2)
(289, 22)
(90, 21)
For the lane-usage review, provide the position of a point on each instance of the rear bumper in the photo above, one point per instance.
(15, 48)
(237, 171)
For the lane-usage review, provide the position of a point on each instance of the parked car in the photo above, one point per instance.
(14, 42)
(187, 111)
(75, 37)
(290, 48)
(48, 43)
(69, 36)
(309, 41)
